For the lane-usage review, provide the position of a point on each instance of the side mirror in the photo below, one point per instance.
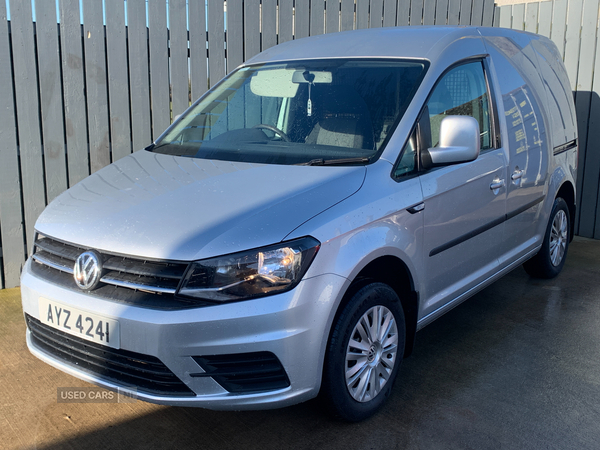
(459, 142)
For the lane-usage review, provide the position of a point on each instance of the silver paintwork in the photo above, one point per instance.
(291, 325)
(217, 207)
(164, 207)
(459, 141)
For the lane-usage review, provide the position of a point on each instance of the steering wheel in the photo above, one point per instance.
(275, 130)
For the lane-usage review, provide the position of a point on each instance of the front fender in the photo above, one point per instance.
(373, 223)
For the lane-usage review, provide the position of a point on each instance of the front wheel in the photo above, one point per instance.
(364, 353)
(551, 258)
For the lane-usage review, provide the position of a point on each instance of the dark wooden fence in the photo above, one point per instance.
(109, 78)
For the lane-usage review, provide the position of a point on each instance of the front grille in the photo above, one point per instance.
(244, 372)
(141, 282)
(122, 367)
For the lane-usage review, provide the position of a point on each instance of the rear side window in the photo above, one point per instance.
(461, 92)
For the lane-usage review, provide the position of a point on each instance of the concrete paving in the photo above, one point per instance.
(515, 367)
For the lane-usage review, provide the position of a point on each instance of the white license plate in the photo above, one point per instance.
(83, 324)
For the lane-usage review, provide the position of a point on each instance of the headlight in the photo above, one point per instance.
(253, 273)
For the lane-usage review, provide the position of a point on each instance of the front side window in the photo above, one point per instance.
(461, 92)
(298, 112)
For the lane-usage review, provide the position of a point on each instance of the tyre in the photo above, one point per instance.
(364, 353)
(551, 258)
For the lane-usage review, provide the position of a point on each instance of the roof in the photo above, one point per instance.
(396, 42)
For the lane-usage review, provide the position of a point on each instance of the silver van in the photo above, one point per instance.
(292, 231)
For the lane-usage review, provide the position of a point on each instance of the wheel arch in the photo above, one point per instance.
(392, 271)
(567, 193)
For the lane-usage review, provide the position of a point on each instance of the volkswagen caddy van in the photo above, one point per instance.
(292, 231)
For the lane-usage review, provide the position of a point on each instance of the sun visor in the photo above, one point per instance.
(274, 83)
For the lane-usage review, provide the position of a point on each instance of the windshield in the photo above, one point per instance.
(303, 112)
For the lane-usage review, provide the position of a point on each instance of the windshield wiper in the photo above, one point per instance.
(334, 162)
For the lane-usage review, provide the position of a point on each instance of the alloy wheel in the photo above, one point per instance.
(558, 238)
(371, 353)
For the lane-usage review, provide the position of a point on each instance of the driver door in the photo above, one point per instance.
(464, 204)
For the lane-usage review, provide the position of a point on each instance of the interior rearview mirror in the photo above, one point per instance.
(313, 76)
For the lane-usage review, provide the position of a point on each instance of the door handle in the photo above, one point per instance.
(497, 184)
(417, 208)
(517, 174)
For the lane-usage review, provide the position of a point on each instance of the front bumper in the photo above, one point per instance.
(293, 326)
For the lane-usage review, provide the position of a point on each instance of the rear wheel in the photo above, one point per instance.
(364, 353)
(551, 258)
